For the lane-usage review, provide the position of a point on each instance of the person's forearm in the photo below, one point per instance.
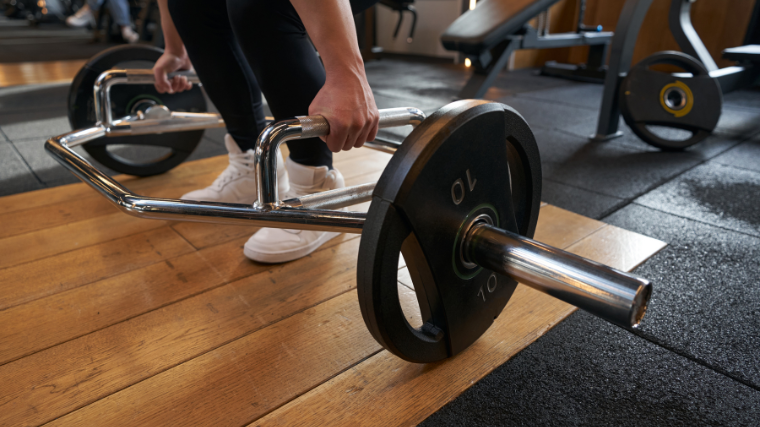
(172, 41)
(330, 25)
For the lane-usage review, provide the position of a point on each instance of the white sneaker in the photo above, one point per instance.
(82, 18)
(275, 245)
(237, 184)
(129, 35)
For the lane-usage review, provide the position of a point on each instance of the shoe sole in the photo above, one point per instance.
(280, 257)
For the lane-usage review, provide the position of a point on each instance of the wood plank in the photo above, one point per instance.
(229, 261)
(48, 196)
(65, 377)
(618, 247)
(91, 205)
(352, 171)
(32, 327)
(202, 235)
(561, 228)
(43, 323)
(59, 273)
(347, 156)
(63, 238)
(294, 362)
(396, 392)
(361, 165)
(387, 382)
(25, 73)
(257, 373)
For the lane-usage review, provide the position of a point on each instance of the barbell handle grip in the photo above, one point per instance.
(145, 76)
(618, 297)
(189, 74)
(315, 126)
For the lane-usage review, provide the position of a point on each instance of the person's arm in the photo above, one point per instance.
(346, 100)
(174, 57)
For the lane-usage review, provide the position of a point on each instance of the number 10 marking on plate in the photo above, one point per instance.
(490, 285)
(457, 198)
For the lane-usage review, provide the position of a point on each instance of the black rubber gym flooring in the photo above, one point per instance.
(694, 361)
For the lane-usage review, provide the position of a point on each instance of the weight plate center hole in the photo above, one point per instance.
(675, 98)
(465, 241)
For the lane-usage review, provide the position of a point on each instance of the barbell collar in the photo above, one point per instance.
(618, 297)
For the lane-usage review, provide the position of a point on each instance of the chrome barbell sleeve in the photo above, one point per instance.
(618, 297)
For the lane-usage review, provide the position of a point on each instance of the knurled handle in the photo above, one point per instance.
(314, 126)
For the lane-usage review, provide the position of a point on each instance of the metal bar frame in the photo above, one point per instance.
(621, 53)
(679, 20)
(306, 213)
(139, 125)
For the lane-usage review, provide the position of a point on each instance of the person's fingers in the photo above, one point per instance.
(179, 83)
(186, 85)
(336, 139)
(362, 138)
(175, 82)
(348, 143)
(162, 82)
(370, 128)
(354, 135)
(374, 127)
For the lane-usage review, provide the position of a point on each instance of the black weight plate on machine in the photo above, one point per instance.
(459, 163)
(148, 154)
(654, 98)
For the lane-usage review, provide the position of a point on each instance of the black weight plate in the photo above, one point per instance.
(643, 95)
(458, 163)
(148, 154)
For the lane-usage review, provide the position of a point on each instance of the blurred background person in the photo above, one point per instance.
(119, 11)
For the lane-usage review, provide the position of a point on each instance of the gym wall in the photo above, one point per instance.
(720, 24)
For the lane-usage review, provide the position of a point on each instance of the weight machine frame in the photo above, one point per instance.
(486, 68)
(621, 54)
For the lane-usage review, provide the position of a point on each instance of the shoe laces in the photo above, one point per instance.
(240, 165)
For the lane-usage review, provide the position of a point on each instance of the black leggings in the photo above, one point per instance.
(241, 48)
